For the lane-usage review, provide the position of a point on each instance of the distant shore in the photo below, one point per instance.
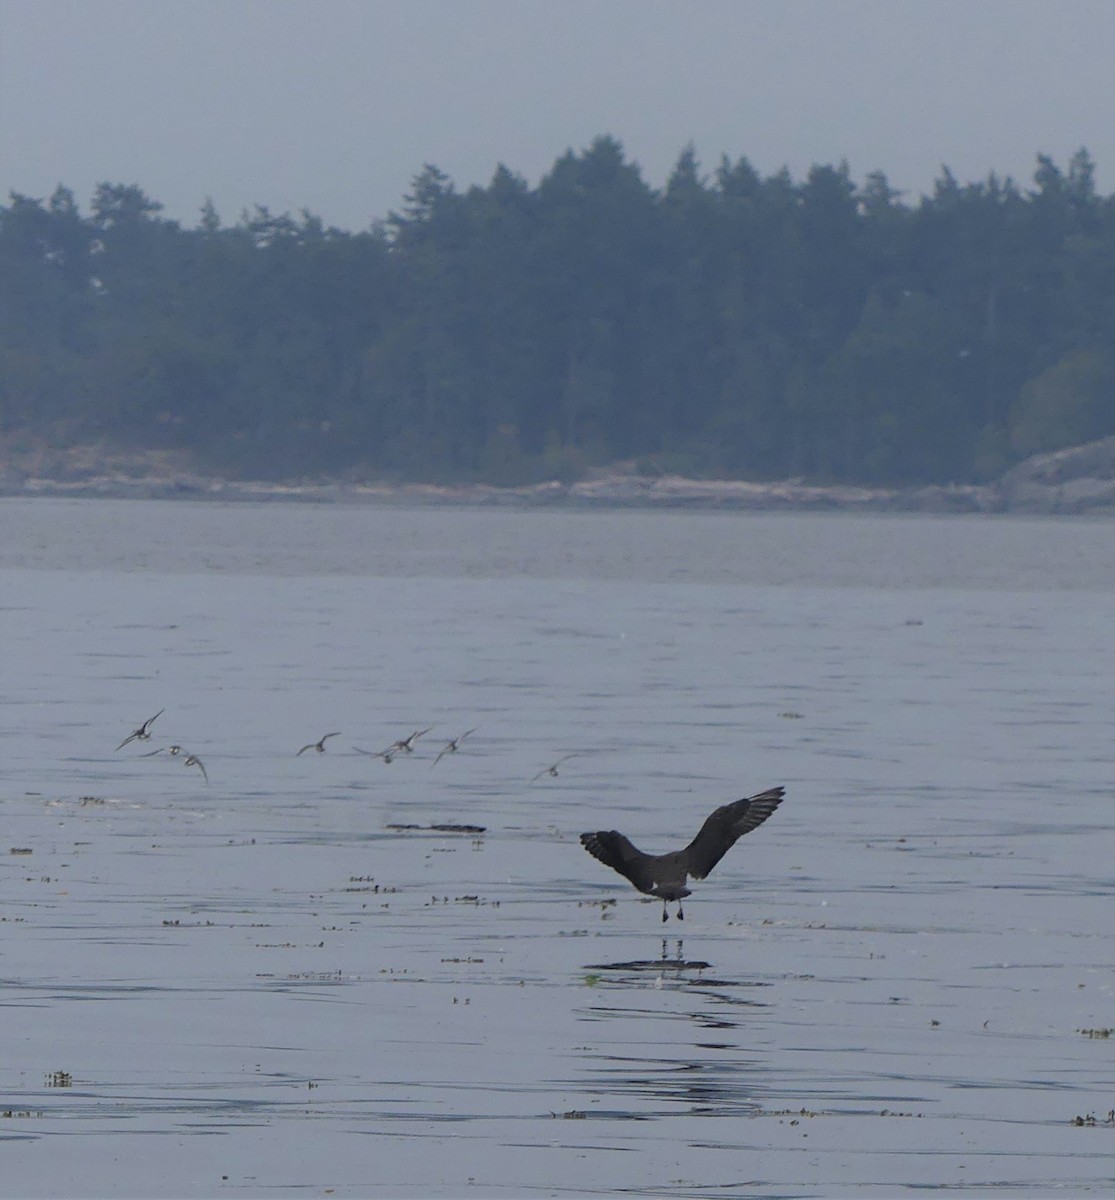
(1078, 480)
(608, 491)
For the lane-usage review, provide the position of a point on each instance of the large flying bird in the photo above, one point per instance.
(665, 875)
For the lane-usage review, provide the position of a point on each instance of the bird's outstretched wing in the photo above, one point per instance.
(725, 827)
(143, 732)
(615, 851)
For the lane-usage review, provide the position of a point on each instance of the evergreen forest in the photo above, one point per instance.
(725, 325)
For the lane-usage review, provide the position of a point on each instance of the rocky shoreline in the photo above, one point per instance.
(1078, 480)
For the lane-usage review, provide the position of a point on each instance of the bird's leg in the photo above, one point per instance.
(681, 915)
(665, 914)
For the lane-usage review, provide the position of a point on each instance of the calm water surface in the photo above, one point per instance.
(268, 985)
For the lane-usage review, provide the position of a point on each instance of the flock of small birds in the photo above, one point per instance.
(389, 754)
(143, 734)
(661, 875)
(404, 745)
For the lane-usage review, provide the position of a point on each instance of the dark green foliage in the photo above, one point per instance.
(728, 324)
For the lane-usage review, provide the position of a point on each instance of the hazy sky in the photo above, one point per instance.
(333, 105)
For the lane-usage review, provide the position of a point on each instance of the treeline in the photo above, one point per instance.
(726, 324)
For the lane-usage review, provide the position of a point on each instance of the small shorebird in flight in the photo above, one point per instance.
(318, 746)
(665, 875)
(143, 733)
(192, 760)
(173, 751)
(552, 769)
(452, 746)
(407, 744)
(387, 755)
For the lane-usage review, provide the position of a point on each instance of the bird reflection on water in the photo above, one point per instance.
(676, 963)
(669, 1064)
(688, 974)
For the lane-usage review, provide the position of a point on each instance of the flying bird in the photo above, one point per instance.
(173, 751)
(452, 746)
(192, 760)
(143, 733)
(319, 746)
(387, 755)
(665, 875)
(407, 744)
(552, 769)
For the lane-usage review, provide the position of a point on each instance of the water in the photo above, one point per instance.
(268, 984)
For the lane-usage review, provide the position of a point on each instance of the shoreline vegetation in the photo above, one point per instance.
(835, 342)
(1077, 480)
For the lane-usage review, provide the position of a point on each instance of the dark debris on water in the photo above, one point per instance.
(473, 830)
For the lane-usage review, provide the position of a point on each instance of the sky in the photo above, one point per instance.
(334, 105)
